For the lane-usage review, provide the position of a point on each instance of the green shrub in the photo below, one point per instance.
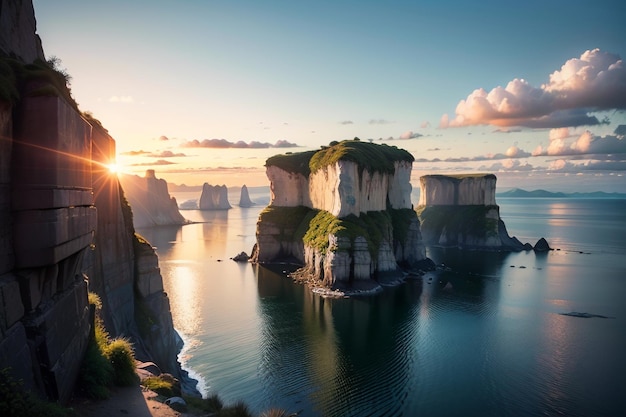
(121, 354)
(161, 385)
(106, 362)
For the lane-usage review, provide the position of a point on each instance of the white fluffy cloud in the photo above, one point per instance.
(595, 81)
(409, 134)
(585, 144)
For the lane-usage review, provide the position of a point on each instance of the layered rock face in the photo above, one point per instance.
(461, 211)
(214, 197)
(349, 221)
(151, 202)
(64, 230)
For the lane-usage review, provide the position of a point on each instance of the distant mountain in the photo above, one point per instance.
(519, 193)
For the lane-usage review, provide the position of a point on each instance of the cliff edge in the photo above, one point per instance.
(343, 212)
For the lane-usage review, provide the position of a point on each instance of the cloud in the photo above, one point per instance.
(224, 144)
(444, 122)
(594, 82)
(346, 122)
(409, 134)
(165, 154)
(163, 138)
(155, 163)
(585, 144)
(135, 153)
(379, 122)
(121, 99)
(559, 133)
(620, 130)
(425, 124)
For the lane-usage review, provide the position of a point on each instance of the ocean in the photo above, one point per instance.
(487, 334)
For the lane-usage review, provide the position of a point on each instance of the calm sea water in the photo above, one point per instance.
(484, 337)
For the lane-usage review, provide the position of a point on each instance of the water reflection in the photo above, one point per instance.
(337, 357)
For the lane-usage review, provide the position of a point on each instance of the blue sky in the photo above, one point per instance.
(160, 74)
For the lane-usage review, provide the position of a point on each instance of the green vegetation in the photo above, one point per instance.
(164, 385)
(461, 176)
(15, 401)
(297, 163)
(106, 362)
(314, 226)
(53, 80)
(400, 220)
(466, 220)
(369, 156)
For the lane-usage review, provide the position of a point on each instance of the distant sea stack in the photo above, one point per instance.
(344, 212)
(244, 198)
(461, 211)
(151, 202)
(214, 197)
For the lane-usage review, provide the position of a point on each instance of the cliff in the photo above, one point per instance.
(461, 211)
(151, 202)
(214, 198)
(343, 212)
(65, 228)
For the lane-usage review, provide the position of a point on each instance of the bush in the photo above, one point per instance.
(106, 362)
(121, 354)
(162, 385)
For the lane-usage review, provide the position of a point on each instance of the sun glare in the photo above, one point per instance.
(113, 168)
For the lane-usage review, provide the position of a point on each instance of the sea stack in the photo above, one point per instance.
(150, 199)
(244, 198)
(214, 197)
(461, 211)
(344, 212)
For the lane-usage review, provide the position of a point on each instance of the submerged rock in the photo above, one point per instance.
(241, 257)
(542, 246)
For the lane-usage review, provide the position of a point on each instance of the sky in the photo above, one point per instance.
(207, 90)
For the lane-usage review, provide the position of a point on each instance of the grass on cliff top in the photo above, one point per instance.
(297, 163)
(460, 176)
(368, 156)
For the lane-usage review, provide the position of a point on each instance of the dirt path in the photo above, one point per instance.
(127, 401)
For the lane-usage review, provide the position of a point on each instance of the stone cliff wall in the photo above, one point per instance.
(342, 188)
(461, 190)
(64, 229)
(17, 30)
(461, 211)
(53, 220)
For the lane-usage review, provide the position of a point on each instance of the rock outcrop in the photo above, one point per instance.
(461, 211)
(244, 198)
(17, 31)
(344, 212)
(214, 197)
(151, 202)
(65, 228)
